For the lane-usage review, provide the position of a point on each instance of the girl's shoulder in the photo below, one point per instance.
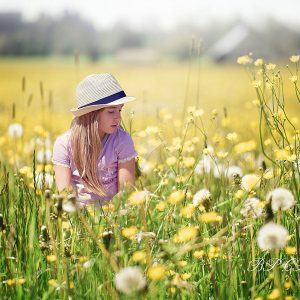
(63, 139)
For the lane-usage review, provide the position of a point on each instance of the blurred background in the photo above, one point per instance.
(149, 31)
(170, 54)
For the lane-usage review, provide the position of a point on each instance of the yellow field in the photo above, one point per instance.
(159, 87)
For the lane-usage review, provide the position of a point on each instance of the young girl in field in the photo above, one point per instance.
(95, 156)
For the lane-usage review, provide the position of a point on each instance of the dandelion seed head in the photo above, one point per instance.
(201, 196)
(272, 236)
(281, 199)
(130, 279)
(15, 130)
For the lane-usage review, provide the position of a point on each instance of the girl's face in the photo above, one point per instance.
(109, 119)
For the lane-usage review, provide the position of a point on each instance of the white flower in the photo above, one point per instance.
(15, 130)
(252, 208)
(44, 156)
(272, 236)
(201, 196)
(69, 206)
(204, 165)
(130, 279)
(281, 199)
(233, 171)
(89, 263)
(145, 166)
(250, 182)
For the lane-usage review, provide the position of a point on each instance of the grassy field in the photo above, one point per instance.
(215, 214)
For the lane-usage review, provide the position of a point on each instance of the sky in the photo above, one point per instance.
(163, 13)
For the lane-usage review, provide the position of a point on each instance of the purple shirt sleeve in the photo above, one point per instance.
(125, 148)
(60, 155)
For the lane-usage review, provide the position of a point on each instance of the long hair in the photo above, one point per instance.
(86, 147)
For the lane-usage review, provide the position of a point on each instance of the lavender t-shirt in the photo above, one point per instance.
(117, 148)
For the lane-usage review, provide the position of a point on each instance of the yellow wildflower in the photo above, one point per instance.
(52, 282)
(232, 136)
(51, 258)
(172, 290)
(83, 259)
(259, 62)
(198, 253)
(186, 234)
(293, 78)
(275, 294)
(176, 197)
(108, 208)
(139, 256)
(244, 60)
(10, 281)
(210, 217)
(188, 161)
(171, 161)
(245, 147)
(256, 83)
(290, 250)
(270, 66)
(182, 263)
(186, 276)
(138, 198)
(281, 154)
(187, 211)
(20, 280)
(288, 283)
(129, 232)
(213, 252)
(238, 194)
(161, 205)
(157, 272)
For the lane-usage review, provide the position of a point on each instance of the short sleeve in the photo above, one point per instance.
(125, 147)
(60, 154)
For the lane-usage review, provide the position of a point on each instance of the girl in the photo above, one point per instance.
(95, 155)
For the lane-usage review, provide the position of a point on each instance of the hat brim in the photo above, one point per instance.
(77, 112)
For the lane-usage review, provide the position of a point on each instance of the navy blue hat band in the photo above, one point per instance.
(107, 99)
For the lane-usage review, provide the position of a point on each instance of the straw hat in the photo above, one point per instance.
(98, 91)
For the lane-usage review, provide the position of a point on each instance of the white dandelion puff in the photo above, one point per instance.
(281, 199)
(252, 208)
(272, 236)
(130, 279)
(69, 206)
(234, 171)
(15, 130)
(201, 196)
(204, 165)
(89, 263)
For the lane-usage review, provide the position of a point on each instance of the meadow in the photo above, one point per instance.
(215, 212)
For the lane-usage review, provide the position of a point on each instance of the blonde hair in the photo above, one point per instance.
(86, 147)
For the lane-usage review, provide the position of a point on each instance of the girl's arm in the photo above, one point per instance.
(62, 177)
(126, 173)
